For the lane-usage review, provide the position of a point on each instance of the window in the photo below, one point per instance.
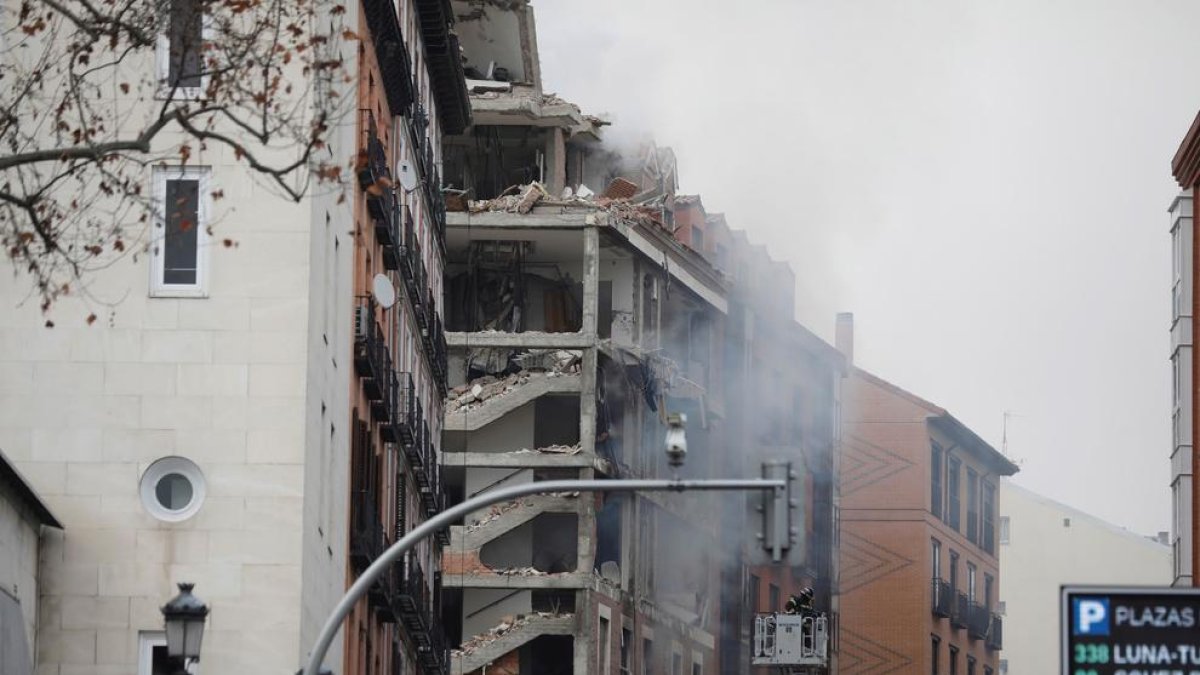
(755, 591)
(987, 670)
(697, 239)
(970, 665)
(1003, 666)
(676, 663)
(971, 581)
(773, 599)
(647, 656)
(1004, 529)
(972, 506)
(935, 654)
(697, 663)
(936, 552)
(989, 518)
(953, 507)
(1001, 608)
(179, 241)
(180, 50)
(626, 643)
(953, 660)
(602, 658)
(989, 585)
(935, 480)
(172, 489)
(953, 572)
(152, 654)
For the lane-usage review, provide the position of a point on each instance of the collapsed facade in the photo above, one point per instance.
(585, 301)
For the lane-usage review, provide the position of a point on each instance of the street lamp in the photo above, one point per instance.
(184, 616)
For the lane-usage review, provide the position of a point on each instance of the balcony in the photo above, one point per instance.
(419, 610)
(366, 521)
(390, 52)
(941, 597)
(400, 422)
(978, 620)
(961, 611)
(372, 359)
(995, 637)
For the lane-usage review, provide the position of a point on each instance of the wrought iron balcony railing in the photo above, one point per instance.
(941, 597)
(961, 610)
(995, 637)
(977, 623)
(401, 421)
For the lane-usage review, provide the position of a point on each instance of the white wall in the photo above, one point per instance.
(85, 409)
(1049, 545)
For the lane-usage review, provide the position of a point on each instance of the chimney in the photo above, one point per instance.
(844, 336)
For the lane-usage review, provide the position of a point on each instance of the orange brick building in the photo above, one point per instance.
(919, 571)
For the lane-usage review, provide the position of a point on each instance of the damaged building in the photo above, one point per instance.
(585, 300)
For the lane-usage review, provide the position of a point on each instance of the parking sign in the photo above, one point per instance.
(1109, 631)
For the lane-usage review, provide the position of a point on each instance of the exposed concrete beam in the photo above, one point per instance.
(591, 280)
(525, 631)
(463, 538)
(564, 580)
(677, 267)
(529, 460)
(531, 339)
(500, 405)
(541, 217)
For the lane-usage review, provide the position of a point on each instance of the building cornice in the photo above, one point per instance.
(1185, 166)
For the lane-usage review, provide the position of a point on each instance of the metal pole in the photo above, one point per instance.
(449, 516)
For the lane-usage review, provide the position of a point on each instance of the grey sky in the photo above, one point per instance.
(984, 183)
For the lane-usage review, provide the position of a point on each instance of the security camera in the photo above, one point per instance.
(676, 440)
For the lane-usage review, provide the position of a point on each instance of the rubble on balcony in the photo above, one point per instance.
(507, 625)
(541, 363)
(551, 450)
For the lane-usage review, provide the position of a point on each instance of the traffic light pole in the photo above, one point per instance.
(446, 518)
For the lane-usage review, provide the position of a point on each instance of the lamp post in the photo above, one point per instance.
(184, 617)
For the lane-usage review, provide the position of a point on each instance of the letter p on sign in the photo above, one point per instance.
(1091, 616)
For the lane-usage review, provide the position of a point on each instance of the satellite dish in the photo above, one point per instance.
(407, 175)
(384, 291)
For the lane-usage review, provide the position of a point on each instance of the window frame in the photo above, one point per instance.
(953, 510)
(972, 506)
(935, 548)
(937, 461)
(162, 60)
(935, 653)
(987, 516)
(1005, 530)
(161, 176)
(604, 649)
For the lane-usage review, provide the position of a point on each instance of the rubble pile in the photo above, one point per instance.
(521, 572)
(507, 625)
(551, 450)
(535, 363)
(495, 512)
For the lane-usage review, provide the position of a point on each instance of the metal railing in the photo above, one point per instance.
(940, 597)
(366, 529)
(778, 642)
(977, 623)
(995, 636)
(961, 610)
(401, 419)
(372, 356)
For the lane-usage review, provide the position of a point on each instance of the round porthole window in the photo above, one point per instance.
(172, 489)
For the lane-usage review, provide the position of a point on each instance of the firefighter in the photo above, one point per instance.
(800, 604)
